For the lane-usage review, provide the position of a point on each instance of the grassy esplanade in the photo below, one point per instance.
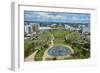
(74, 40)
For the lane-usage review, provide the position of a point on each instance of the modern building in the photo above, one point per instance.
(27, 29)
(31, 28)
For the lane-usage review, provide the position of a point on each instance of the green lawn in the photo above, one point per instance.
(59, 33)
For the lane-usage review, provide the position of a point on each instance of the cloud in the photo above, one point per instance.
(43, 14)
(75, 18)
(57, 17)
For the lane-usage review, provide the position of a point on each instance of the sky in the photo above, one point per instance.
(62, 17)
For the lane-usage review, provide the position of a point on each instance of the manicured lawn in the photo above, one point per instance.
(60, 33)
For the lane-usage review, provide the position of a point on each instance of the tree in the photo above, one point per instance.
(55, 58)
(46, 46)
(86, 45)
(28, 49)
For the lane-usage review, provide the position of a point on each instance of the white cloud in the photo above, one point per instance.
(75, 18)
(43, 14)
(46, 15)
(50, 16)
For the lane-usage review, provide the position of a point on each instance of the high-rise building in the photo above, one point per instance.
(32, 28)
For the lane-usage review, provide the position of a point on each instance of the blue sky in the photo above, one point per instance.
(56, 17)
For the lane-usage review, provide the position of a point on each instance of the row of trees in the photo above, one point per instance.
(80, 44)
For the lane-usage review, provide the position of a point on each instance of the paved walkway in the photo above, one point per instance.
(45, 53)
(31, 57)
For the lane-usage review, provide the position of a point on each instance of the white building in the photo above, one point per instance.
(45, 28)
(86, 30)
(31, 29)
(67, 26)
(27, 28)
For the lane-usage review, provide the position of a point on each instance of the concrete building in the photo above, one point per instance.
(27, 29)
(31, 29)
